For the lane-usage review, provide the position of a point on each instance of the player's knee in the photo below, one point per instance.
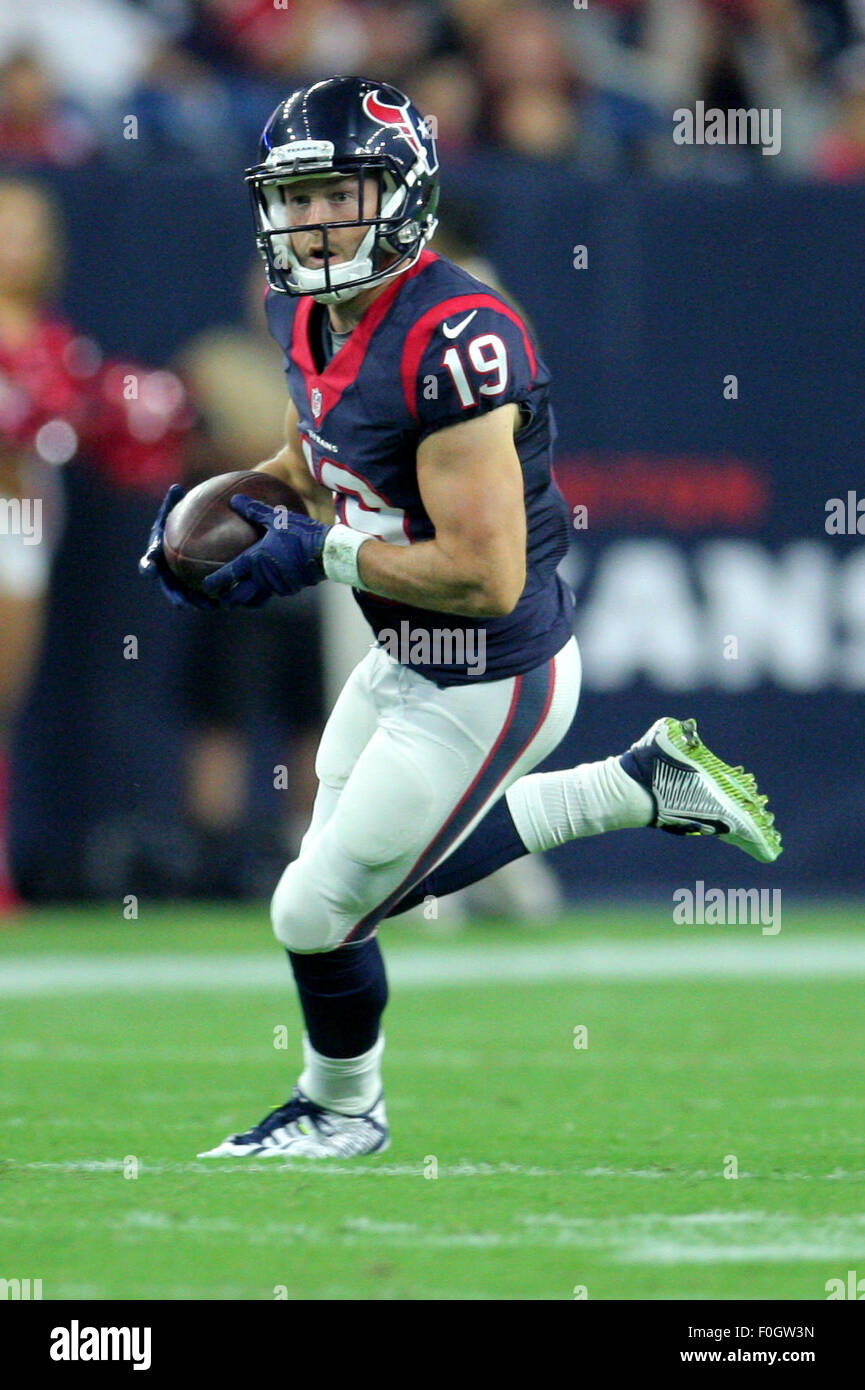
(310, 916)
(297, 923)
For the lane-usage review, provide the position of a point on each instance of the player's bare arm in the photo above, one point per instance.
(471, 484)
(289, 465)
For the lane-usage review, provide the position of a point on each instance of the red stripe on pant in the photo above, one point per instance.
(432, 851)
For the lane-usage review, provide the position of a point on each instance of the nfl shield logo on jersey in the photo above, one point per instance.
(315, 401)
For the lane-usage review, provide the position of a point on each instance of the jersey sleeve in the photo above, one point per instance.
(464, 359)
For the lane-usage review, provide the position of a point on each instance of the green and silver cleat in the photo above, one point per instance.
(695, 793)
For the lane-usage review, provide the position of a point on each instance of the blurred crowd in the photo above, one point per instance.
(588, 84)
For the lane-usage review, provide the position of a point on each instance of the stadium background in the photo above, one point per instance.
(705, 515)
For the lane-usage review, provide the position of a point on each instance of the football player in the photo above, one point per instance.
(419, 435)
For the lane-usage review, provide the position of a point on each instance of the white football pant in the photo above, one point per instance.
(406, 771)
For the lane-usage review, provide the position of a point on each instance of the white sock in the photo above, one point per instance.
(351, 1085)
(550, 808)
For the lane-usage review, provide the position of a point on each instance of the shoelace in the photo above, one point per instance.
(294, 1109)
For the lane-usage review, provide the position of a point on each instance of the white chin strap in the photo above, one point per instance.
(314, 281)
(341, 276)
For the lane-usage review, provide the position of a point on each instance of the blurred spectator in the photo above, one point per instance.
(93, 50)
(447, 90)
(36, 126)
(834, 26)
(840, 155)
(25, 274)
(59, 402)
(475, 19)
(537, 123)
(400, 36)
(520, 47)
(235, 375)
(243, 670)
(531, 89)
(294, 36)
(180, 108)
(647, 58)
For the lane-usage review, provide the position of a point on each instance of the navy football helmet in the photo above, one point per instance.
(346, 126)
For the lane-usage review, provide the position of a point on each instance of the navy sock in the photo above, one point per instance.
(343, 994)
(491, 845)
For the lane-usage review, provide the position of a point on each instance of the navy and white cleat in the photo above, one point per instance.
(696, 794)
(302, 1129)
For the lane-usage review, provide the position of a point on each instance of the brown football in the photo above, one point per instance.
(203, 532)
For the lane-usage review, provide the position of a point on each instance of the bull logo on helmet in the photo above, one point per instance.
(387, 113)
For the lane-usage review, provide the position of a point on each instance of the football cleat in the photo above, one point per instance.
(302, 1129)
(697, 794)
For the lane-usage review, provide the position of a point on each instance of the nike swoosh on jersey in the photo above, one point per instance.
(458, 328)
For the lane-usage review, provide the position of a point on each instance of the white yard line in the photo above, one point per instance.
(310, 1168)
(669, 1252)
(645, 1239)
(714, 1237)
(375, 1168)
(743, 957)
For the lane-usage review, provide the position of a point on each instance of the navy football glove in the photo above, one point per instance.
(153, 560)
(288, 557)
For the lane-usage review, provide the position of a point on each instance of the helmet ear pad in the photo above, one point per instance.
(423, 225)
(275, 215)
(390, 206)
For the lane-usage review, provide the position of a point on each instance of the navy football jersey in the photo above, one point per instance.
(435, 348)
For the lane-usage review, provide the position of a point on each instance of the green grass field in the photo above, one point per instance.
(127, 1047)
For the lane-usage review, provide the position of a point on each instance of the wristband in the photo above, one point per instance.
(339, 555)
